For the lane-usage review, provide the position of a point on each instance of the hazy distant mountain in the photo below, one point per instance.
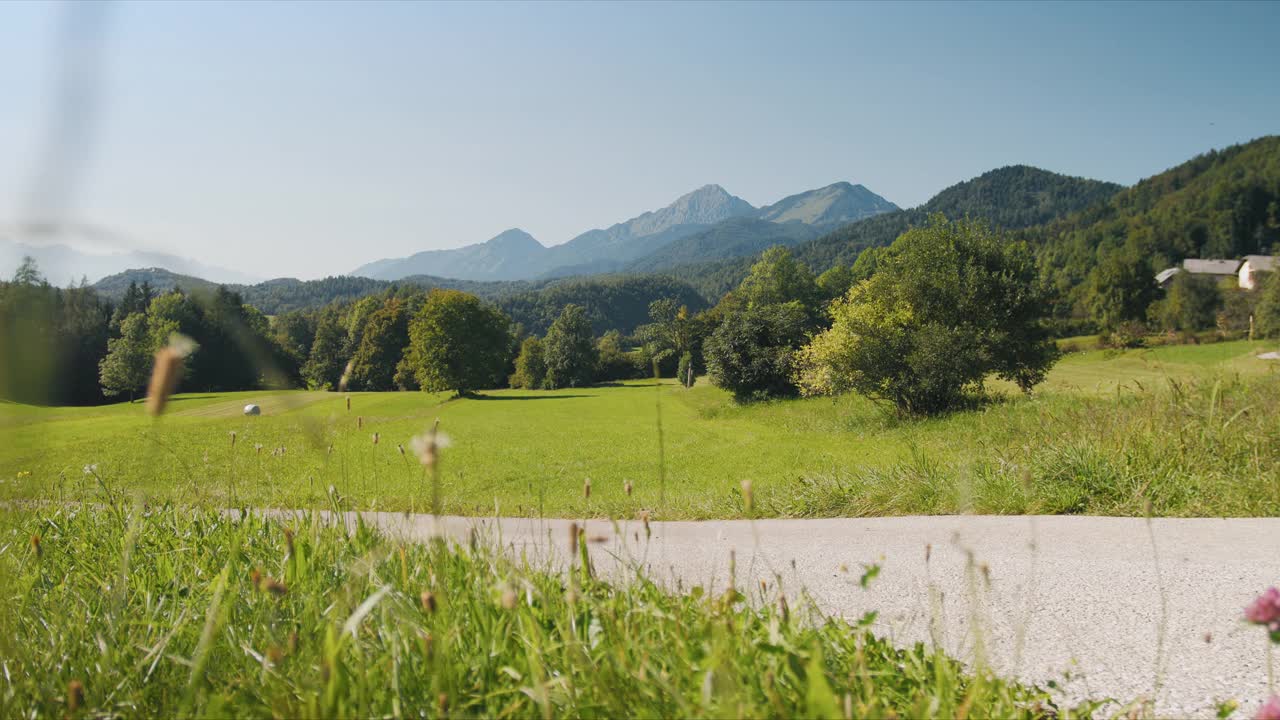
(790, 221)
(734, 237)
(691, 212)
(507, 256)
(63, 264)
(834, 204)
(716, 217)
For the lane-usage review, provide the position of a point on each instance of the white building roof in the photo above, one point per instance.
(1210, 267)
(1264, 263)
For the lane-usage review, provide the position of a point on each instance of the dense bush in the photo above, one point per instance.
(750, 353)
(684, 372)
(531, 369)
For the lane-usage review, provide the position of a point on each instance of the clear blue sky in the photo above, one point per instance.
(305, 139)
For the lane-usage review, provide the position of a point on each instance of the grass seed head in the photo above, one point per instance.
(275, 654)
(429, 601)
(626, 487)
(359, 422)
(348, 403)
(375, 438)
(345, 380)
(75, 695)
(257, 448)
(35, 546)
(748, 498)
(233, 438)
(166, 371)
(427, 445)
(586, 489)
(508, 599)
(573, 538)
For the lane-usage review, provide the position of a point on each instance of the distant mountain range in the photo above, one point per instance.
(63, 263)
(724, 226)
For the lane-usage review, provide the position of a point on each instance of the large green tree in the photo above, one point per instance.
(382, 343)
(327, 358)
(128, 362)
(1120, 290)
(949, 305)
(569, 350)
(458, 342)
(1191, 303)
(779, 278)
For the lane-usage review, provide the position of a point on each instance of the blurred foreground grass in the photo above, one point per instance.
(112, 611)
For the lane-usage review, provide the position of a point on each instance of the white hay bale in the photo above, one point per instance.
(252, 410)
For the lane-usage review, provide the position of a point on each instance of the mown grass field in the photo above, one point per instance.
(1175, 430)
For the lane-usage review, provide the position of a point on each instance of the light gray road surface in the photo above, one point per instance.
(1088, 603)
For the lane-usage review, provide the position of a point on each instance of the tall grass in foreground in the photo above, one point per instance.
(111, 611)
(1184, 449)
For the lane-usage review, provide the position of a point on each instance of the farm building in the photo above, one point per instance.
(1252, 266)
(1221, 269)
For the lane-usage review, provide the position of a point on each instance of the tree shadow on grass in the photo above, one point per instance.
(525, 397)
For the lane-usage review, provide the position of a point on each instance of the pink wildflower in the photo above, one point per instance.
(1265, 610)
(1270, 709)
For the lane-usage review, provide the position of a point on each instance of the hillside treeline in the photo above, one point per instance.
(1095, 249)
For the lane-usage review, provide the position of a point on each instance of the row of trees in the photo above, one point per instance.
(920, 325)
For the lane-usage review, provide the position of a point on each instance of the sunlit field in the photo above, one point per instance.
(1179, 430)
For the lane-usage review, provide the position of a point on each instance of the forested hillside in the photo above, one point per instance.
(611, 302)
(1223, 204)
(282, 295)
(1011, 197)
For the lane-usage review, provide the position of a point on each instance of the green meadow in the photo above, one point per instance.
(1173, 430)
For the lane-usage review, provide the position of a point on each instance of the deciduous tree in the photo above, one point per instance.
(458, 342)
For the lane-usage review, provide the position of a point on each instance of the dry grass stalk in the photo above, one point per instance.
(167, 371)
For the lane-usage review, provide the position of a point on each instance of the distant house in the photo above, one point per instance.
(1252, 265)
(1220, 269)
(1244, 273)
